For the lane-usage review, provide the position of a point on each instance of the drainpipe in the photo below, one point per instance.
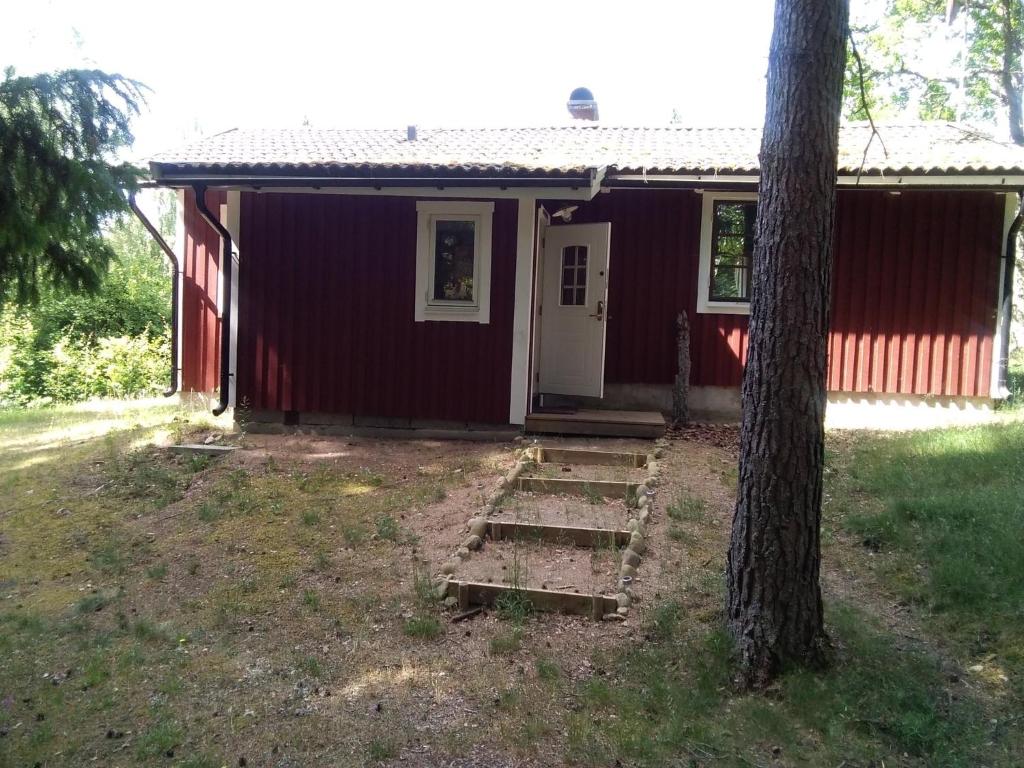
(175, 272)
(225, 275)
(1006, 300)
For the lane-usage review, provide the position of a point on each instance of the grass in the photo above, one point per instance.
(422, 628)
(194, 611)
(506, 641)
(945, 508)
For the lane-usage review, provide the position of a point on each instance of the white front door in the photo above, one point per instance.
(574, 309)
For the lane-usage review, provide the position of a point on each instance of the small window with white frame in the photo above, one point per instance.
(453, 261)
(726, 252)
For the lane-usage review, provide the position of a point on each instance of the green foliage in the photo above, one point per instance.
(59, 137)
(112, 343)
(972, 60)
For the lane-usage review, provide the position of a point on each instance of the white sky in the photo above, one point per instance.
(217, 64)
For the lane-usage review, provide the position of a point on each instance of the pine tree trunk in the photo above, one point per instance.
(774, 598)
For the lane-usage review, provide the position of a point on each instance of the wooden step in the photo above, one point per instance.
(558, 534)
(610, 489)
(472, 593)
(647, 424)
(588, 457)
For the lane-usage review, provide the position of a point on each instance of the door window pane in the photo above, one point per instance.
(454, 258)
(574, 276)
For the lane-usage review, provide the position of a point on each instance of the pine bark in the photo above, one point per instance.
(774, 606)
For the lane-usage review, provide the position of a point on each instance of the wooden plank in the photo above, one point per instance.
(542, 599)
(198, 449)
(597, 416)
(612, 489)
(585, 456)
(556, 426)
(565, 534)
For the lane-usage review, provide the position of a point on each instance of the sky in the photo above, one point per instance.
(220, 64)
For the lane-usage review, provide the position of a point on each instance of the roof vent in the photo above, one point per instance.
(582, 105)
(410, 133)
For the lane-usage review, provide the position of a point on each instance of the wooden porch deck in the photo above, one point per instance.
(649, 424)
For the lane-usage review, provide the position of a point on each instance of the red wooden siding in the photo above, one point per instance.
(914, 292)
(200, 321)
(913, 304)
(326, 303)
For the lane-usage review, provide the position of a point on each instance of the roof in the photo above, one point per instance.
(933, 148)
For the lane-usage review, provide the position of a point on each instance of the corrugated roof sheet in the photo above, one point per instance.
(931, 147)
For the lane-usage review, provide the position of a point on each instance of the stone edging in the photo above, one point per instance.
(632, 555)
(478, 525)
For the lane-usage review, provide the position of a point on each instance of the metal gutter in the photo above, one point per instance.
(225, 275)
(175, 276)
(1006, 300)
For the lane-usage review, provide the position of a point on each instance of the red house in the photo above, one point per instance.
(470, 278)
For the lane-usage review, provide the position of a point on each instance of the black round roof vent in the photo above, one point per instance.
(582, 105)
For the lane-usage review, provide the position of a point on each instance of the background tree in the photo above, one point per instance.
(774, 598)
(61, 180)
(112, 342)
(941, 59)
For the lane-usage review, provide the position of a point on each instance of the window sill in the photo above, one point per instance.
(451, 314)
(723, 307)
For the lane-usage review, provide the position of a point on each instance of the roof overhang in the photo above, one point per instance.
(894, 181)
(581, 183)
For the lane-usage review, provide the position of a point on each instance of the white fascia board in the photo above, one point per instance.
(571, 192)
(895, 180)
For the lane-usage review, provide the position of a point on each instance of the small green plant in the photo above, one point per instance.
(382, 748)
(354, 534)
(311, 666)
(92, 603)
(110, 558)
(513, 605)
(192, 567)
(321, 561)
(310, 517)
(421, 585)
(680, 534)
(506, 642)
(159, 741)
(547, 670)
(197, 462)
(422, 627)
(387, 528)
(209, 512)
(157, 572)
(591, 494)
(311, 599)
(687, 508)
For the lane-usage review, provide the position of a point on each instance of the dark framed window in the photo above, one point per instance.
(574, 276)
(732, 249)
(454, 260)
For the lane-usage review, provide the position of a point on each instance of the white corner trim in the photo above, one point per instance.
(1009, 213)
(180, 252)
(232, 220)
(521, 326)
(429, 212)
(704, 304)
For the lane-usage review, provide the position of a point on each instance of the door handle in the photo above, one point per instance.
(600, 311)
